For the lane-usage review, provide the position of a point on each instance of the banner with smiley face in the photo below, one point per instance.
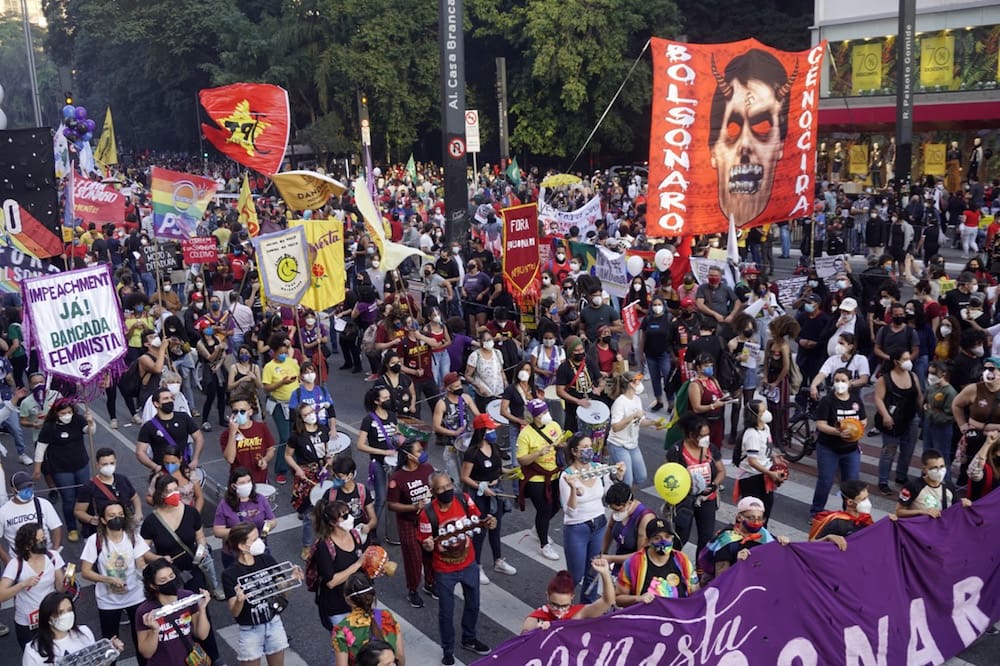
(283, 259)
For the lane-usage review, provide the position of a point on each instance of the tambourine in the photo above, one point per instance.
(375, 562)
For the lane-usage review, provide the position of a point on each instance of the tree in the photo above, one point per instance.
(783, 24)
(17, 104)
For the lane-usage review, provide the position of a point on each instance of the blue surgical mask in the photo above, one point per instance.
(662, 546)
(709, 371)
(171, 467)
(209, 331)
(139, 308)
(244, 357)
(424, 457)
(338, 482)
(281, 358)
(491, 437)
(25, 494)
(242, 419)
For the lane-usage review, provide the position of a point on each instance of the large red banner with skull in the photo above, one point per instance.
(733, 134)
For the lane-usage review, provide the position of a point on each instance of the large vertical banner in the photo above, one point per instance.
(29, 205)
(521, 270)
(327, 272)
(285, 269)
(179, 202)
(937, 60)
(905, 81)
(451, 41)
(934, 162)
(866, 67)
(733, 135)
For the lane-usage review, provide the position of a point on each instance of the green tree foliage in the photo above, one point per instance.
(17, 104)
(783, 24)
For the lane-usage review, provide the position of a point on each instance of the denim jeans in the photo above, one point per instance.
(921, 365)
(378, 480)
(786, 240)
(444, 587)
(67, 483)
(635, 466)
(891, 445)
(14, 425)
(582, 543)
(937, 436)
(659, 374)
(828, 463)
(440, 366)
(281, 423)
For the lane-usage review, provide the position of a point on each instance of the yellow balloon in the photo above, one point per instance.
(673, 482)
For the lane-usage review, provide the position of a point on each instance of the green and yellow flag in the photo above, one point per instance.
(106, 152)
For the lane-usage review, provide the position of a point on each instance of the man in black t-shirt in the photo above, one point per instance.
(167, 428)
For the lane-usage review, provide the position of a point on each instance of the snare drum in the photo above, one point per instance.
(493, 409)
(339, 443)
(319, 491)
(270, 492)
(593, 422)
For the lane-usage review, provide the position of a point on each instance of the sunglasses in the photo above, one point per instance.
(240, 411)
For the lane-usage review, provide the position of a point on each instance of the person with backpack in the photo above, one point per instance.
(755, 459)
(107, 486)
(898, 399)
(334, 556)
(308, 453)
(112, 559)
(34, 571)
(24, 506)
(408, 494)
(365, 624)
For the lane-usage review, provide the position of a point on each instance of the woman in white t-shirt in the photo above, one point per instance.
(756, 478)
(845, 356)
(627, 416)
(113, 559)
(58, 633)
(33, 572)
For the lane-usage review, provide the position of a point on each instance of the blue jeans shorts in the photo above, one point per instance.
(261, 640)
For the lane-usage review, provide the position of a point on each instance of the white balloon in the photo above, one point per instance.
(663, 259)
(3, 120)
(634, 265)
(1, 94)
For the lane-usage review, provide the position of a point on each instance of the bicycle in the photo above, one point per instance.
(798, 439)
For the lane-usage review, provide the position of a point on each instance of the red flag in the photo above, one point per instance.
(630, 318)
(521, 270)
(254, 122)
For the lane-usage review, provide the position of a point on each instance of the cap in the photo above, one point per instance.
(849, 304)
(687, 302)
(537, 407)
(813, 298)
(451, 378)
(197, 296)
(748, 504)
(21, 480)
(484, 421)
(571, 343)
(658, 526)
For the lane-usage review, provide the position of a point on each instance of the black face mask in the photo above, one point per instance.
(898, 320)
(606, 339)
(578, 356)
(169, 589)
(396, 367)
(40, 547)
(167, 407)
(457, 391)
(446, 497)
(117, 523)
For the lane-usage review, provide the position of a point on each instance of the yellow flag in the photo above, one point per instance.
(246, 208)
(306, 190)
(937, 61)
(106, 152)
(326, 252)
(866, 67)
(393, 254)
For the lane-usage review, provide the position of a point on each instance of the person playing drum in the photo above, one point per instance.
(452, 422)
(308, 456)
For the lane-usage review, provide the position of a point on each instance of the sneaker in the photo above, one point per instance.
(657, 406)
(281, 479)
(483, 578)
(416, 601)
(206, 426)
(136, 419)
(195, 413)
(73, 536)
(501, 566)
(26, 459)
(114, 424)
(549, 552)
(372, 377)
(900, 482)
(476, 646)
(448, 659)
(885, 489)
(429, 591)
(304, 553)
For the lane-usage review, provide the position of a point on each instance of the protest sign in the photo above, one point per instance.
(799, 605)
(611, 271)
(97, 203)
(630, 318)
(701, 265)
(284, 263)
(830, 266)
(74, 321)
(789, 290)
(200, 250)
(521, 270)
(160, 258)
(554, 222)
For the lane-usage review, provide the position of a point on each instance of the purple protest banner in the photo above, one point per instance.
(915, 591)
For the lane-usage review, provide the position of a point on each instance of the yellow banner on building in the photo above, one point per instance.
(866, 67)
(934, 159)
(326, 252)
(857, 161)
(937, 61)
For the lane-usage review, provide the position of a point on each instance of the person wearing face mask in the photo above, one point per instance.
(437, 331)
(660, 570)
(311, 391)
(578, 381)
(25, 506)
(168, 640)
(107, 486)
(748, 531)
(484, 371)
(932, 492)
(896, 336)
(475, 293)
(627, 527)
(757, 474)
(174, 529)
(245, 377)
(575, 268)
(627, 416)
(112, 559)
(336, 555)
(241, 504)
(703, 459)
(416, 351)
(281, 379)
(247, 443)
(168, 428)
(33, 408)
(957, 300)
(855, 514)
(947, 338)
(898, 399)
(559, 605)
(684, 330)
(536, 454)
(717, 300)
(59, 634)
(314, 340)
(984, 468)
(192, 314)
(167, 297)
(34, 571)
(813, 321)
(654, 350)
(845, 355)
(598, 314)
(967, 367)
(409, 493)
(174, 466)
(62, 447)
(706, 397)
(976, 409)
(454, 562)
(262, 633)
(559, 266)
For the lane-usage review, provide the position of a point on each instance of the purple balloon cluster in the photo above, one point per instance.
(77, 127)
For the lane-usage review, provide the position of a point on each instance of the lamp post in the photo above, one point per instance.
(32, 76)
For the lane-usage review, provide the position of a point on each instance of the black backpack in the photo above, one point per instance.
(729, 372)
(130, 382)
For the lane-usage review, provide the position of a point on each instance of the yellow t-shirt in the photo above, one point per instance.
(135, 339)
(529, 442)
(273, 371)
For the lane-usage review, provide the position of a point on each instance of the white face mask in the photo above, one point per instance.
(597, 301)
(65, 418)
(524, 375)
(156, 341)
(545, 419)
(906, 365)
(310, 322)
(864, 506)
(977, 351)
(933, 380)
(657, 310)
(636, 287)
(574, 267)
(309, 377)
(945, 331)
(936, 475)
(546, 281)
(886, 302)
(244, 489)
(488, 344)
(174, 388)
(257, 547)
(310, 418)
(705, 442)
(840, 387)
(375, 263)
(167, 288)
(766, 417)
(549, 342)
(840, 350)
(619, 516)
(639, 388)
(107, 470)
(347, 524)
(64, 622)
(436, 319)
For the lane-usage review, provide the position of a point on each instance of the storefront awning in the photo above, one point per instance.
(852, 117)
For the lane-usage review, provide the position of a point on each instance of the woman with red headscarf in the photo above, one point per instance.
(560, 604)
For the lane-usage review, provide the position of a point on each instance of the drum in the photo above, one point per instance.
(593, 422)
(339, 443)
(550, 393)
(493, 409)
(270, 492)
(319, 491)
(412, 428)
(198, 476)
